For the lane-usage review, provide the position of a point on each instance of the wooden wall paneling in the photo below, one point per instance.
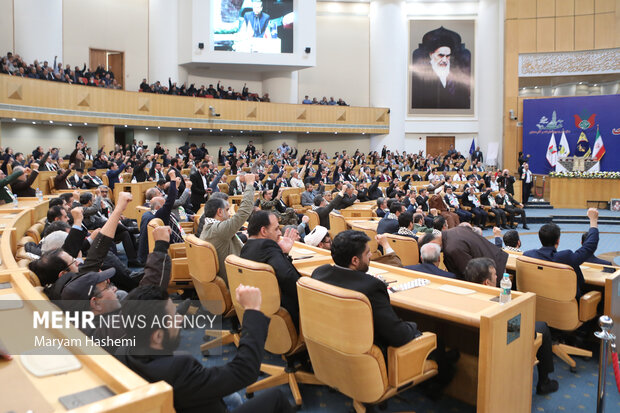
(564, 7)
(565, 34)
(584, 7)
(545, 34)
(527, 35)
(105, 136)
(43, 94)
(545, 8)
(604, 30)
(512, 9)
(584, 32)
(605, 6)
(527, 9)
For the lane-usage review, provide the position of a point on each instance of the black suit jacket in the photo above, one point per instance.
(198, 389)
(387, 226)
(22, 188)
(269, 252)
(198, 190)
(390, 330)
(323, 212)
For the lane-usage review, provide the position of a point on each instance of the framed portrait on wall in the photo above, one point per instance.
(441, 67)
(614, 204)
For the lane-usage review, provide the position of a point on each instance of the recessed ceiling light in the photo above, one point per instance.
(71, 124)
(34, 123)
(240, 131)
(279, 131)
(210, 130)
(146, 128)
(51, 121)
(14, 119)
(179, 129)
(335, 133)
(363, 133)
(158, 127)
(125, 125)
(190, 128)
(221, 130)
(85, 124)
(307, 132)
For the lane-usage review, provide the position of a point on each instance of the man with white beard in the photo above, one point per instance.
(441, 72)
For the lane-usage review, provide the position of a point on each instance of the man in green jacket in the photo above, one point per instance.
(5, 181)
(220, 229)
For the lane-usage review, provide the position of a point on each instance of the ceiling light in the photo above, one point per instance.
(335, 133)
(190, 128)
(158, 127)
(307, 132)
(51, 121)
(71, 124)
(179, 129)
(240, 131)
(14, 119)
(279, 131)
(125, 125)
(210, 130)
(34, 123)
(146, 128)
(363, 133)
(85, 124)
(221, 130)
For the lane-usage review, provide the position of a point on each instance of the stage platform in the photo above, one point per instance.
(582, 193)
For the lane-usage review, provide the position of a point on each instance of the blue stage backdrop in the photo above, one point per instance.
(571, 115)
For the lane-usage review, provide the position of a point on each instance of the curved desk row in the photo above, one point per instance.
(129, 392)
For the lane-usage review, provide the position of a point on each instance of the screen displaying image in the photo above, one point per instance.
(253, 26)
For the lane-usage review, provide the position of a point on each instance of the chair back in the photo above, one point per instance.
(35, 231)
(406, 248)
(203, 268)
(337, 224)
(154, 223)
(282, 337)
(314, 219)
(338, 331)
(372, 244)
(555, 286)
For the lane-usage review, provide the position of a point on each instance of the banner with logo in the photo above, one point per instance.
(576, 118)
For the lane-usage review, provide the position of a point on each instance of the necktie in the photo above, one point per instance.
(256, 26)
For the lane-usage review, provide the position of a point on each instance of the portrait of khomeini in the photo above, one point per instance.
(441, 72)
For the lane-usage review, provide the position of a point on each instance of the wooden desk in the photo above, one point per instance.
(366, 224)
(137, 191)
(493, 375)
(132, 393)
(576, 192)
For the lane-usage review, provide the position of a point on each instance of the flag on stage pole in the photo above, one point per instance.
(583, 147)
(552, 151)
(597, 152)
(563, 149)
(472, 148)
(599, 146)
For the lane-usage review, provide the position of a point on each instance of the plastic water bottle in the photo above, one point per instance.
(39, 194)
(15, 201)
(504, 289)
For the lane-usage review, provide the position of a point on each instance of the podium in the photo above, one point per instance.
(137, 191)
(577, 163)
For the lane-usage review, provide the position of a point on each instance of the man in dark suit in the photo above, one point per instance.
(174, 165)
(156, 173)
(389, 223)
(429, 257)
(505, 180)
(461, 244)
(469, 199)
(197, 388)
(527, 180)
(323, 208)
(61, 180)
(267, 245)
(200, 185)
(91, 180)
(351, 255)
(22, 186)
(256, 21)
(549, 235)
(512, 207)
(76, 179)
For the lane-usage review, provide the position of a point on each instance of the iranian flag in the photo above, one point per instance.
(599, 147)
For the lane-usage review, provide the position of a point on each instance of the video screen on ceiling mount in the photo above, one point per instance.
(253, 26)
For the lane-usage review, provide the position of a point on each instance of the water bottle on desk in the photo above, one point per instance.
(39, 194)
(504, 289)
(15, 201)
